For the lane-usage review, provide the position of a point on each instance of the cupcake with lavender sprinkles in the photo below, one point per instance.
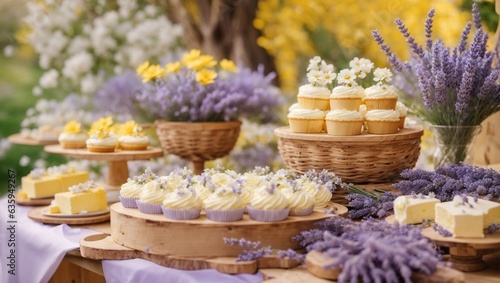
(182, 204)
(301, 203)
(152, 196)
(268, 204)
(130, 191)
(224, 205)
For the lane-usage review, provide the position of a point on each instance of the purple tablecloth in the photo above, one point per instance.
(39, 249)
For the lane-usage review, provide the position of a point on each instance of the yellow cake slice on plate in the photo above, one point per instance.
(80, 199)
(42, 183)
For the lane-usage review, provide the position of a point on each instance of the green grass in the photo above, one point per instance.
(17, 78)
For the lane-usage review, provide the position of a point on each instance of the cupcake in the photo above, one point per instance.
(401, 108)
(301, 203)
(152, 196)
(224, 205)
(182, 204)
(101, 137)
(380, 97)
(306, 120)
(344, 123)
(382, 121)
(346, 97)
(268, 204)
(314, 97)
(130, 191)
(322, 195)
(46, 133)
(132, 137)
(72, 136)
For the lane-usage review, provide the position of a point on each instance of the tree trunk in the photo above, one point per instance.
(224, 29)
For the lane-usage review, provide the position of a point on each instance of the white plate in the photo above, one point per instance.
(45, 211)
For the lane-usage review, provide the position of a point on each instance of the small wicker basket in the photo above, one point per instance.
(198, 142)
(364, 158)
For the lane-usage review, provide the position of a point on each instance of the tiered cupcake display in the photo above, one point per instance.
(351, 109)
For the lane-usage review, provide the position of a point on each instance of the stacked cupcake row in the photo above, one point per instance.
(225, 196)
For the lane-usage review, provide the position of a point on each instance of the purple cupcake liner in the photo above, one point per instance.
(181, 214)
(301, 212)
(225, 215)
(268, 215)
(149, 208)
(128, 202)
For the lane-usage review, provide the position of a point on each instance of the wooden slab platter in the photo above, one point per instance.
(21, 140)
(203, 237)
(37, 215)
(33, 201)
(316, 264)
(466, 254)
(102, 246)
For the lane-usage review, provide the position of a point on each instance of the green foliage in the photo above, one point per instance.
(487, 11)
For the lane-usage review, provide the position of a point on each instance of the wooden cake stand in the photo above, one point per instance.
(198, 243)
(19, 139)
(466, 253)
(117, 162)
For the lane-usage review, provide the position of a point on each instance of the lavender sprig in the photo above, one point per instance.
(364, 204)
(441, 230)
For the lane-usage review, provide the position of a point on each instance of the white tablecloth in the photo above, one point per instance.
(40, 248)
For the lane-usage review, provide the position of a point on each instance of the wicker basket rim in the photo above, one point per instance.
(201, 126)
(405, 133)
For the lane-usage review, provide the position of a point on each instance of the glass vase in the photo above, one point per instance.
(453, 143)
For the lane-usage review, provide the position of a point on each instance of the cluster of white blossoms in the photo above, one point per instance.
(319, 73)
(82, 43)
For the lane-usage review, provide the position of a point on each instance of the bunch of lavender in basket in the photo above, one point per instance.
(449, 86)
(372, 251)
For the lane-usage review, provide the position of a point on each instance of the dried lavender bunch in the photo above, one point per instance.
(451, 180)
(373, 250)
(324, 177)
(456, 86)
(248, 255)
(364, 204)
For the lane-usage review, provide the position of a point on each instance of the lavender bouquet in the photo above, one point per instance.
(456, 89)
(199, 89)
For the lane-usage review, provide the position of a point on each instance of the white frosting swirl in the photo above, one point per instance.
(131, 189)
(223, 199)
(307, 114)
(313, 91)
(401, 108)
(293, 106)
(346, 115)
(322, 197)
(382, 115)
(377, 91)
(347, 91)
(107, 141)
(72, 137)
(134, 139)
(300, 200)
(266, 198)
(182, 199)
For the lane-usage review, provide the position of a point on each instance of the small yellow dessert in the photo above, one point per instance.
(314, 97)
(344, 122)
(380, 121)
(101, 137)
(82, 198)
(132, 137)
(306, 120)
(380, 97)
(42, 183)
(346, 97)
(72, 135)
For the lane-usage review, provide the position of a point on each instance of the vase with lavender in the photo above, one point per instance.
(453, 89)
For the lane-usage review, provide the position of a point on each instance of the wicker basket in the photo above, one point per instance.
(365, 158)
(198, 142)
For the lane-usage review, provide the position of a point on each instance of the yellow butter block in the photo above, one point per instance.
(48, 186)
(75, 203)
(54, 209)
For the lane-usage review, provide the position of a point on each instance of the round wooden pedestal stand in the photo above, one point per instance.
(19, 139)
(117, 161)
(466, 254)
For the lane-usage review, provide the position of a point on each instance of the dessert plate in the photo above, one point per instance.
(45, 212)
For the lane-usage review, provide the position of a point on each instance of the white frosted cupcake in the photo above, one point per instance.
(322, 195)
(344, 122)
(182, 204)
(152, 196)
(382, 121)
(72, 136)
(306, 120)
(268, 204)
(401, 108)
(102, 142)
(380, 97)
(131, 190)
(346, 97)
(132, 137)
(224, 205)
(301, 203)
(313, 97)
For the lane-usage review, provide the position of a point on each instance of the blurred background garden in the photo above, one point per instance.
(71, 59)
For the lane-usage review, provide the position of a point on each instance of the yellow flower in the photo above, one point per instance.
(102, 124)
(72, 127)
(173, 67)
(130, 128)
(152, 72)
(206, 76)
(228, 65)
(204, 61)
(143, 67)
(194, 54)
